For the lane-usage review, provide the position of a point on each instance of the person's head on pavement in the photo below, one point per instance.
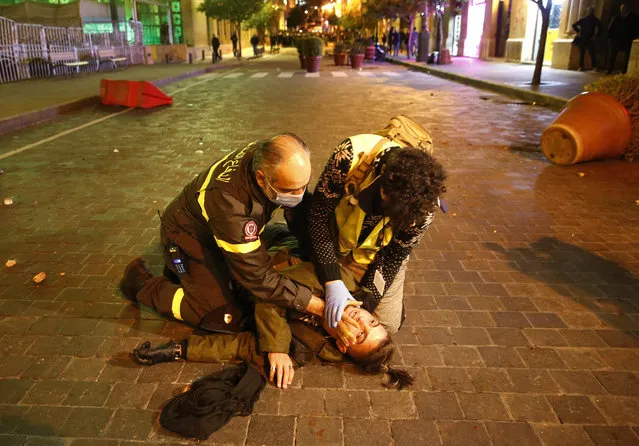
(282, 167)
(590, 10)
(623, 9)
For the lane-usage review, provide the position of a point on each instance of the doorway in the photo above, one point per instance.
(474, 27)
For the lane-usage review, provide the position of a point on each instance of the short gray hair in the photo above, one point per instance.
(272, 152)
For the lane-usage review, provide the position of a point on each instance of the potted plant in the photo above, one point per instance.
(313, 48)
(339, 54)
(600, 123)
(370, 49)
(356, 55)
(299, 43)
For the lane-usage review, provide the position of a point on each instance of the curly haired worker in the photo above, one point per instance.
(372, 231)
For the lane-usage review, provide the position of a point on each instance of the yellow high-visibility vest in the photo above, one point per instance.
(350, 216)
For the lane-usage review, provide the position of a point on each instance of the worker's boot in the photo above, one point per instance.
(169, 352)
(135, 274)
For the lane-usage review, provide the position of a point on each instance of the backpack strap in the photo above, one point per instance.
(364, 165)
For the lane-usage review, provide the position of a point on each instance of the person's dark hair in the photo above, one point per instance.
(272, 152)
(378, 361)
(413, 180)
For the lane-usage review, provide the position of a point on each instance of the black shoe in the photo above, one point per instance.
(135, 274)
(145, 355)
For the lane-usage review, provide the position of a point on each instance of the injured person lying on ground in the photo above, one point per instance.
(290, 339)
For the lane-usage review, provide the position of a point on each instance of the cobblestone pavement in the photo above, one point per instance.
(522, 300)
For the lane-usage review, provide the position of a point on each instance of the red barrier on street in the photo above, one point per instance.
(141, 94)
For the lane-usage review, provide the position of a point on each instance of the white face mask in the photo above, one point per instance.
(287, 200)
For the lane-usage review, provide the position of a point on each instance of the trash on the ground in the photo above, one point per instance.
(581, 174)
(636, 201)
(199, 152)
(1, 171)
(35, 203)
(63, 273)
(10, 263)
(116, 151)
(201, 143)
(8, 201)
(39, 277)
(190, 105)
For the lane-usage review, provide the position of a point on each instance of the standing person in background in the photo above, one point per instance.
(587, 30)
(215, 44)
(623, 29)
(234, 41)
(254, 42)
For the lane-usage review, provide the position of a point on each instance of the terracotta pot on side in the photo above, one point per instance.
(370, 53)
(340, 59)
(312, 63)
(592, 125)
(302, 62)
(356, 61)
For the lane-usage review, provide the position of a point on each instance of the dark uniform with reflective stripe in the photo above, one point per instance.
(216, 222)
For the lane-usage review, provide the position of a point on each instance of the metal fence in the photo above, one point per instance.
(35, 51)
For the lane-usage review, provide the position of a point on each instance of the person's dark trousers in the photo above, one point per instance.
(216, 54)
(590, 46)
(235, 49)
(255, 50)
(612, 57)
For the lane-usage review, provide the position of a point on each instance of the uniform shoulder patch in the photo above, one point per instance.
(250, 231)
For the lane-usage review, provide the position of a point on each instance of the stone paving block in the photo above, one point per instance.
(131, 395)
(120, 372)
(374, 432)
(48, 326)
(562, 435)
(269, 402)
(619, 339)
(580, 383)
(452, 303)
(418, 355)
(463, 433)
(88, 394)
(517, 304)
(48, 392)
(483, 406)
(419, 302)
(16, 325)
(347, 403)
(582, 359)
(323, 376)
(49, 346)
(530, 408)
(490, 380)
(541, 358)
(612, 435)
(457, 356)
(46, 367)
(475, 319)
(133, 424)
(86, 422)
(79, 326)
(619, 410)
(167, 372)
(486, 303)
(269, 430)
(391, 404)
(581, 320)
(507, 337)
(621, 359)
(532, 381)
(434, 335)
(575, 410)
(93, 442)
(13, 390)
(10, 416)
(193, 370)
(42, 421)
(84, 346)
(619, 383)
(510, 319)
(501, 357)
(234, 432)
(437, 406)
(84, 369)
(318, 431)
(16, 344)
(43, 441)
(114, 346)
(302, 402)
(541, 337)
(412, 432)
(446, 379)
(439, 318)
(512, 433)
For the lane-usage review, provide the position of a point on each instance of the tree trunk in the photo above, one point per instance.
(545, 22)
(440, 35)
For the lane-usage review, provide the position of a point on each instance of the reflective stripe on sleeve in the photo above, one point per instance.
(202, 191)
(177, 302)
(239, 248)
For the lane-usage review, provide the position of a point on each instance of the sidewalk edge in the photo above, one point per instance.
(27, 119)
(544, 100)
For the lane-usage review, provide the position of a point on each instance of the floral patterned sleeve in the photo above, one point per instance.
(389, 259)
(328, 192)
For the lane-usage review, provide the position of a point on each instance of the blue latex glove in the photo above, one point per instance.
(336, 297)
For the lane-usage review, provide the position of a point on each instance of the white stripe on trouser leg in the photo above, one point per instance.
(389, 309)
(177, 303)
